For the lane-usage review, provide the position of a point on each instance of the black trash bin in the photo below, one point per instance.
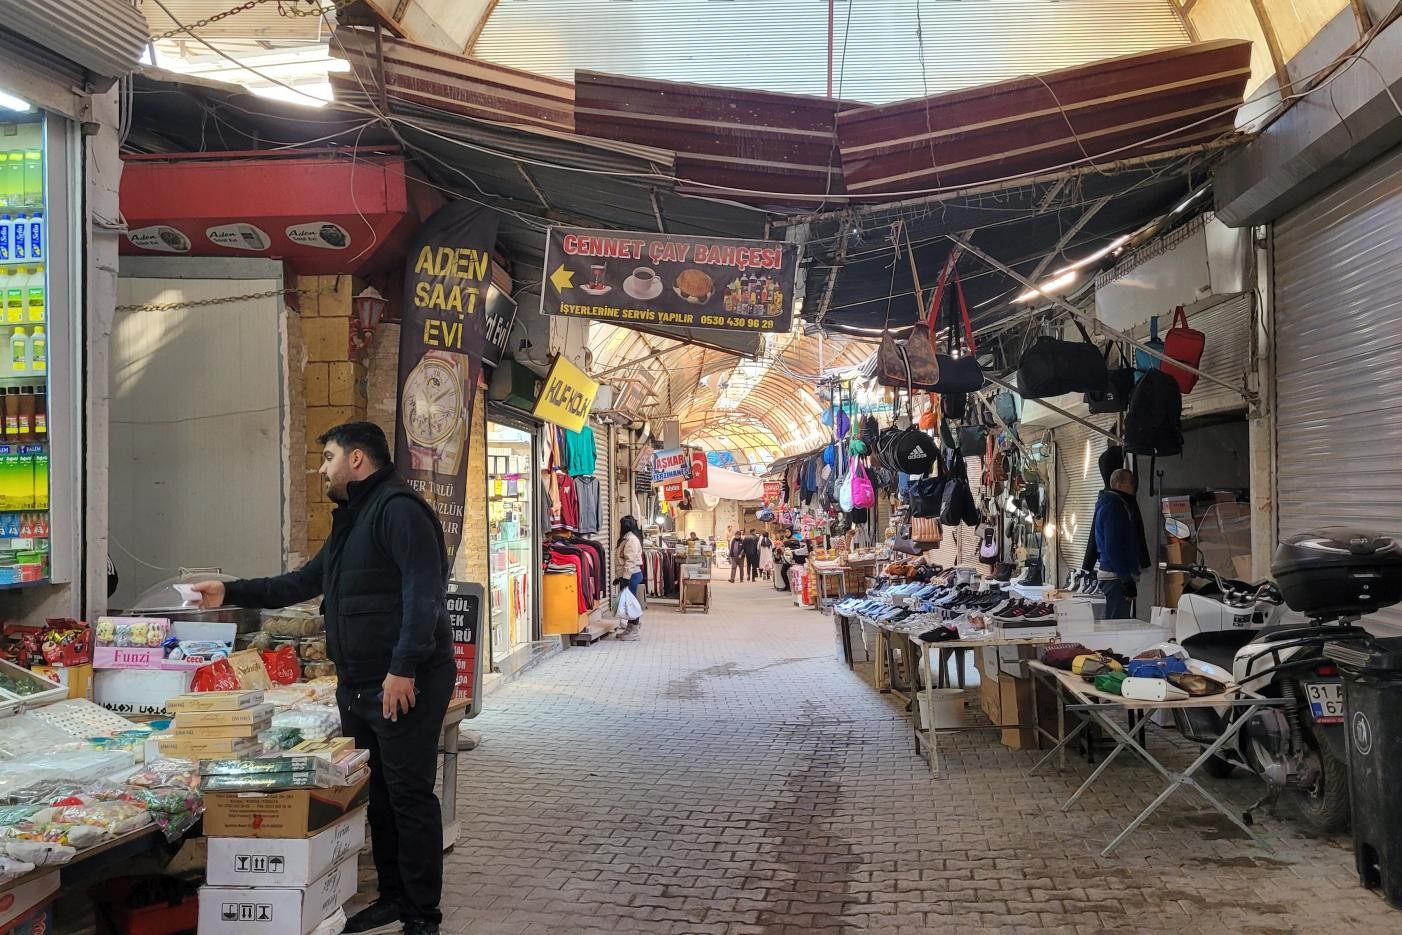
(1372, 675)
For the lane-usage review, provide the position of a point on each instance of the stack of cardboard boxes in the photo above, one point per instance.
(283, 832)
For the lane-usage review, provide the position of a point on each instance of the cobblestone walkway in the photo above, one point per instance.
(726, 774)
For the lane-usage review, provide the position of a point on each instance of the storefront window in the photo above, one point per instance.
(511, 532)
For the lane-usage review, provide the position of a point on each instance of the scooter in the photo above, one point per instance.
(1297, 747)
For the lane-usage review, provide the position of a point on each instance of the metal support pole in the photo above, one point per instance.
(1096, 325)
(1057, 409)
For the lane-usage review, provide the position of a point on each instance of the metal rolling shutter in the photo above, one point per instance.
(1338, 299)
(1227, 355)
(1078, 483)
(603, 472)
(106, 37)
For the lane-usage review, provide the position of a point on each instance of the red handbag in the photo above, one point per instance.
(1183, 344)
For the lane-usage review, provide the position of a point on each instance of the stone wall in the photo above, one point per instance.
(333, 386)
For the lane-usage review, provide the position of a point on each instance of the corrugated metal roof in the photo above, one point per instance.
(106, 37)
(781, 45)
(1123, 107)
(722, 136)
(454, 83)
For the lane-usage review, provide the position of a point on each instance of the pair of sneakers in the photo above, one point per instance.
(385, 916)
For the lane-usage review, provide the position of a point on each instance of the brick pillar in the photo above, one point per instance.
(333, 385)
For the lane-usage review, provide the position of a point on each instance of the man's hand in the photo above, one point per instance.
(399, 696)
(211, 593)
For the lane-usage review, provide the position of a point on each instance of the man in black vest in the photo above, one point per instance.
(383, 577)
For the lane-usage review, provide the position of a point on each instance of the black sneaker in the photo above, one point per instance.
(378, 918)
(419, 927)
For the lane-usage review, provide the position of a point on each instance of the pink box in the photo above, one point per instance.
(128, 657)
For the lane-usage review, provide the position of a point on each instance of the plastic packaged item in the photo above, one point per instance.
(260, 640)
(313, 649)
(290, 622)
(280, 738)
(313, 670)
(38, 853)
(114, 817)
(12, 869)
(314, 721)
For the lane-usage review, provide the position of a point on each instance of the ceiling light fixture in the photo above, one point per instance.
(1058, 284)
(10, 102)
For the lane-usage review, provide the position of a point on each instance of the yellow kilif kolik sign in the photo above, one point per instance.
(567, 396)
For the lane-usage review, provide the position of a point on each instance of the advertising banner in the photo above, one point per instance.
(447, 272)
(669, 464)
(661, 281)
(673, 492)
(773, 491)
(566, 397)
(465, 616)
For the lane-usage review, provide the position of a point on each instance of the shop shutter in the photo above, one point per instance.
(1078, 484)
(1227, 325)
(1338, 359)
(603, 472)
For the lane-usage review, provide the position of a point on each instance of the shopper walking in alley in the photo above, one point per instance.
(751, 547)
(1119, 540)
(766, 556)
(629, 558)
(737, 556)
(383, 578)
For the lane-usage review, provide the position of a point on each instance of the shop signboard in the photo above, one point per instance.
(773, 491)
(700, 470)
(501, 312)
(673, 492)
(567, 395)
(447, 272)
(668, 465)
(661, 281)
(465, 616)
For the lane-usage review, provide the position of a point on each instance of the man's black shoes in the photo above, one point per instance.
(420, 928)
(381, 916)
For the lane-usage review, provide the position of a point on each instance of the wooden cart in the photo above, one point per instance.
(695, 588)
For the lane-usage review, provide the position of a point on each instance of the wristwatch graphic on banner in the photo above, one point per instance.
(435, 412)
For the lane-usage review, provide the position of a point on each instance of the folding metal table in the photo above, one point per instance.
(1095, 706)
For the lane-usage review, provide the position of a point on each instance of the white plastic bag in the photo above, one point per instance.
(628, 607)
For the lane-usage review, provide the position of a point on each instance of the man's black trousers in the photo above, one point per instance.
(406, 822)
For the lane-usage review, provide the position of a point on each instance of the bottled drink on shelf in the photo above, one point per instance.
(14, 283)
(38, 237)
(19, 351)
(34, 295)
(12, 186)
(5, 223)
(41, 413)
(19, 238)
(33, 177)
(38, 351)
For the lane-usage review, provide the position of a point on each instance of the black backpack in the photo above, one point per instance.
(1154, 421)
(959, 508)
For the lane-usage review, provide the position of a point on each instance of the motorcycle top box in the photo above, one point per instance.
(1338, 572)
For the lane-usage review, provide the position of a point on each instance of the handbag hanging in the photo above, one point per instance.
(1119, 384)
(926, 530)
(1052, 366)
(959, 370)
(1143, 362)
(1185, 345)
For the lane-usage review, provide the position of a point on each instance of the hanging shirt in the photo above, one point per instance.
(580, 452)
(586, 491)
(569, 501)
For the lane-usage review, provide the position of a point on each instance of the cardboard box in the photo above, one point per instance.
(299, 813)
(195, 747)
(215, 701)
(268, 862)
(241, 910)
(77, 679)
(139, 691)
(227, 732)
(23, 898)
(246, 717)
(1015, 702)
(331, 749)
(322, 776)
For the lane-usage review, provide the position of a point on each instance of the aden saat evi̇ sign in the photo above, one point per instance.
(663, 281)
(446, 277)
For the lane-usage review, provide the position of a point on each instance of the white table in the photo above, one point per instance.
(1095, 706)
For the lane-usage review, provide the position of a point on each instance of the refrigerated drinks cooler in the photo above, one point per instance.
(33, 177)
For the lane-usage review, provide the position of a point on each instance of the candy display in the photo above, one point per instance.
(11, 869)
(66, 643)
(313, 722)
(292, 622)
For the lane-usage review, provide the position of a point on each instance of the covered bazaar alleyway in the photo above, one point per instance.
(727, 774)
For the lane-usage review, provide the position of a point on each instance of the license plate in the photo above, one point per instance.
(1326, 701)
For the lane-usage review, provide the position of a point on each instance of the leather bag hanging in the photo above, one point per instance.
(926, 530)
(927, 493)
(909, 362)
(959, 508)
(1119, 384)
(1052, 366)
(1185, 345)
(959, 370)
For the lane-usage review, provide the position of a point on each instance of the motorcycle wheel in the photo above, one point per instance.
(1325, 806)
(1218, 768)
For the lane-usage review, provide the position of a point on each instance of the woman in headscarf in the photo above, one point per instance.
(629, 557)
(766, 555)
